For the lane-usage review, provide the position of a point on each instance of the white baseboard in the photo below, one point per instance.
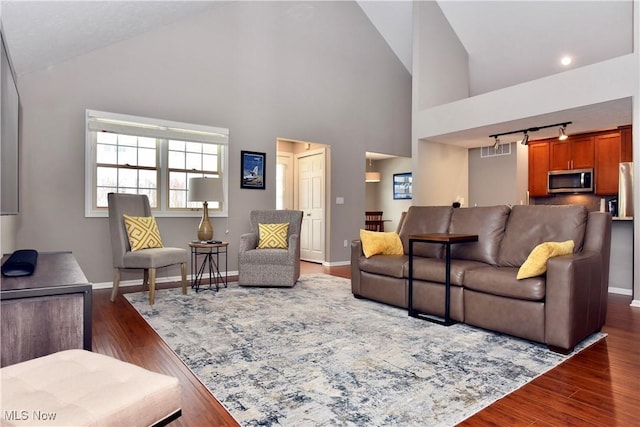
(138, 282)
(335, 264)
(620, 291)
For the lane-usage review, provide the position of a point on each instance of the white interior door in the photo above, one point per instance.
(311, 201)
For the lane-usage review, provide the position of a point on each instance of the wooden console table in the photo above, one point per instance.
(46, 312)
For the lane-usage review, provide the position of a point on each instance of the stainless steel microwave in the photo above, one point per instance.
(570, 181)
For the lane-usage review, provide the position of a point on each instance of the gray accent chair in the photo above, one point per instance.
(270, 267)
(147, 259)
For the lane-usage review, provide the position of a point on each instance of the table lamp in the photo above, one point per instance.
(205, 190)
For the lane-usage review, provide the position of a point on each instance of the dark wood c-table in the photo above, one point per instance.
(447, 239)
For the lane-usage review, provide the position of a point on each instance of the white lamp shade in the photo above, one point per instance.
(205, 190)
(372, 177)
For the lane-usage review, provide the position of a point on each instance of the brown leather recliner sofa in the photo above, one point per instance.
(559, 308)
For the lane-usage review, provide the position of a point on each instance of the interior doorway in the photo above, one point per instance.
(380, 192)
(301, 183)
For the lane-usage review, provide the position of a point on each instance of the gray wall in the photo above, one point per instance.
(492, 180)
(259, 68)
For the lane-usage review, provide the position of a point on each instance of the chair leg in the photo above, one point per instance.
(116, 282)
(183, 268)
(145, 279)
(152, 286)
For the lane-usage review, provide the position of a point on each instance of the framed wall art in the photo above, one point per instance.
(253, 170)
(402, 186)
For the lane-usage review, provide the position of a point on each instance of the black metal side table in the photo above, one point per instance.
(447, 240)
(211, 253)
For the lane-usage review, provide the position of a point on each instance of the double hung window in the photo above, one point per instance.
(137, 155)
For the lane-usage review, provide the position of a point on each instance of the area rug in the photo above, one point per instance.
(313, 355)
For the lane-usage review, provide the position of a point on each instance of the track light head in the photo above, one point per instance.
(525, 140)
(561, 133)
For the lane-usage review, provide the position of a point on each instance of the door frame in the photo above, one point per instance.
(289, 190)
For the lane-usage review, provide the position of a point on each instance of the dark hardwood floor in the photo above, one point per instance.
(598, 387)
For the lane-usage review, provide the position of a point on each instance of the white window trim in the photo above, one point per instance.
(161, 129)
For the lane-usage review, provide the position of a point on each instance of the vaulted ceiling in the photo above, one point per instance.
(507, 42)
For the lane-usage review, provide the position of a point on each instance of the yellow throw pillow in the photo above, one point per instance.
(536, 262)
(380, 243)
(273, 236)
(143, 232)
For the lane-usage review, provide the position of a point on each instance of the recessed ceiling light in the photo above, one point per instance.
(566, 60)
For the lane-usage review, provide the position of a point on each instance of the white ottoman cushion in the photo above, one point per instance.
(81, 388)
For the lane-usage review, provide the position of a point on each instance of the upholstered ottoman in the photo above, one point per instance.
(81, 388)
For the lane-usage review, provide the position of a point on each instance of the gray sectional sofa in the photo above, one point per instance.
(559, 308)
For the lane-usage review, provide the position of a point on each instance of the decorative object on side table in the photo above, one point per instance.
(21, 263)
(252, 169)
(205, 190)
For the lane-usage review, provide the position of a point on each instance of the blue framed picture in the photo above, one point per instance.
(253, 168)
(402, 186)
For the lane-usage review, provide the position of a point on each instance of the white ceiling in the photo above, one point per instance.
(45, 33)
(508, 42)
(512, 42)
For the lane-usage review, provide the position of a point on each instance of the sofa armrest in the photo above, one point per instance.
(294, 247)
(356, 253)
(248, 241)
(573, 298)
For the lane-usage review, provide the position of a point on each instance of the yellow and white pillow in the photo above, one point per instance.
(380, 243)
(536, 262)
(273, 236)
(143, 232)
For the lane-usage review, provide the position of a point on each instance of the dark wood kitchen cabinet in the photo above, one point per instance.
(538, 168)
(573, 153)
(607, 150)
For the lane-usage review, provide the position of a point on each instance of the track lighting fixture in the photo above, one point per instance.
(561, 133)
(525, 141)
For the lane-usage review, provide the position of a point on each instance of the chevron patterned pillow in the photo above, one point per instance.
(273, 236)
(143, 232)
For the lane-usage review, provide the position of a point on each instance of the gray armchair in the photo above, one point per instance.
(270, 267)
(146, 259)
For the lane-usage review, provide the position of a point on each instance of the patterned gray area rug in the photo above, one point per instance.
(313, 355)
